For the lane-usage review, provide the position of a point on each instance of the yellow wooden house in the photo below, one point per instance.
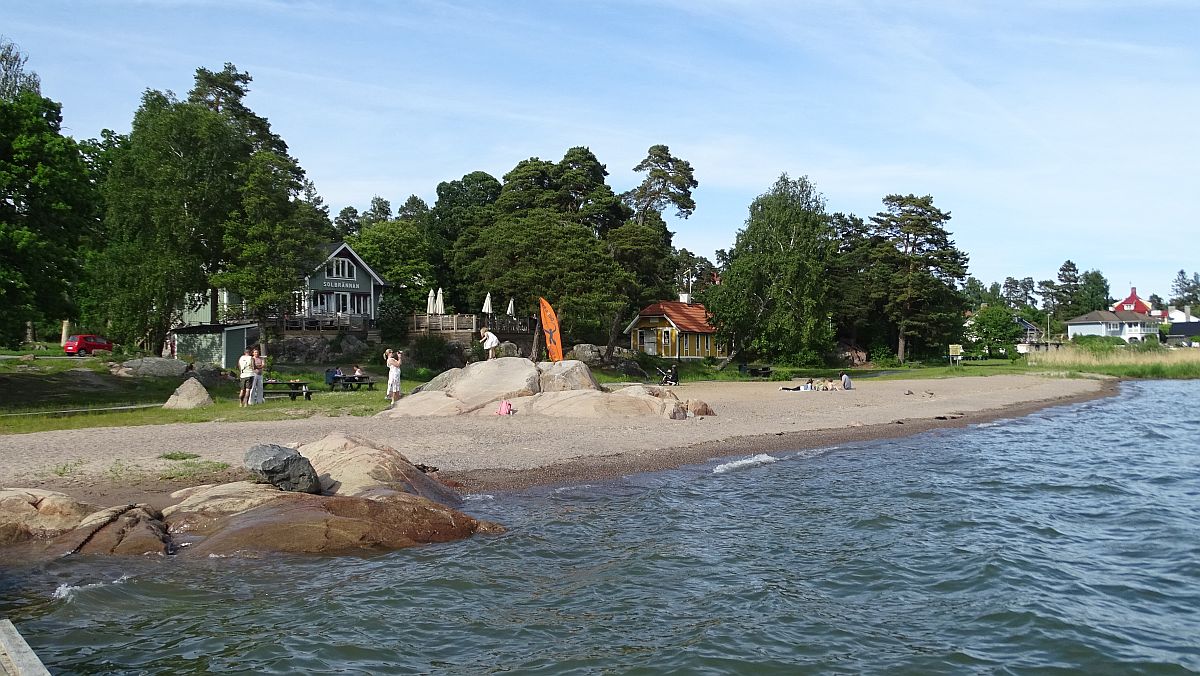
(674, 329)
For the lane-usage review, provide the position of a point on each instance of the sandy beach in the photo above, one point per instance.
(491, 453)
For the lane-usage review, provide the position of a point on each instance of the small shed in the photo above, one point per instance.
(219, 344)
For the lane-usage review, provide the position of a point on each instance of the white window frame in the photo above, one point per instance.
(341, 268)
(666, 339)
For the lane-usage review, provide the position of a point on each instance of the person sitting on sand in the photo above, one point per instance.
(846, 384)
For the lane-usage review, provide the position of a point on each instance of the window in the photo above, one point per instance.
(341, 302)
(360, 304)
(707, 344)
(340, 268)
(687, 344)
(666, 335)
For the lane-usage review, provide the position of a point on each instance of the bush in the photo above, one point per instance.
(1098, 344)
(430, 351)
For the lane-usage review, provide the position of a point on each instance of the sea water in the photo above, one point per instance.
(1067, 540)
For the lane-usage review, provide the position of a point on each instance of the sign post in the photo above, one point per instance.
(956, 355)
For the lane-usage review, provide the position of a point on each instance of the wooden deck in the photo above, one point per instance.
(464, 323)
(16, 657)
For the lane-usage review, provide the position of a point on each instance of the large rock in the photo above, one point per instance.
(441, 382)
(699, 409)
(648, 391)
(210, 375)
(312, 524)
(283, 468)
(507, 349)
(586, 353)
(483, 382)
(424, 404)
(155, 367)
(565, 375)
(631, 368)
(353, 466)
(191, 394)
(201, 508)
(121, 530)
(27, 513)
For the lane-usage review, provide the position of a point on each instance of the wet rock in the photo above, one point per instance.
(202, 508)
(354, 466)
(283, 468)
(27, 513)
(121, 530)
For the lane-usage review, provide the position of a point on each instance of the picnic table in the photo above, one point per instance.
(350, 382)
(292, 388)
(755, 370)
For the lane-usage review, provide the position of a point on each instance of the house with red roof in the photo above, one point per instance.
(676, 329)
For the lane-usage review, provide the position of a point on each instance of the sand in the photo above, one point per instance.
(493, 453)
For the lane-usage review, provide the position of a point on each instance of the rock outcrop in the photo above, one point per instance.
(564, 389)
(191, 394)
(153, 367)
(283, 468)
(28, 513)
(373, 498)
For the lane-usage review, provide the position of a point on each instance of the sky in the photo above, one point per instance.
(1049, 129)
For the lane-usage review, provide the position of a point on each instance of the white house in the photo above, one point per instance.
(1130, 326)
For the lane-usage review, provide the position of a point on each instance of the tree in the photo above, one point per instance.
(397, 251)
(379, 211)
(925, 267)
(347, 224)
(995, 329)
(1093, 292)
(14, 78)
(413, 209)
(46, 204)
(1185, 290)
(1067, 289)
(223, 93)
(669, 181)
(773, 299)
(270, 247)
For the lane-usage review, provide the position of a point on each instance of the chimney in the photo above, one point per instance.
(685, 297)
(1187, 313)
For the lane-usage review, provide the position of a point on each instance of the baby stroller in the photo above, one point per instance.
(670, 377)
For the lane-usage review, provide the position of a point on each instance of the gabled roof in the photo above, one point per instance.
(1100, 316)
(1133, 299)
(335, 248)
(686, 317)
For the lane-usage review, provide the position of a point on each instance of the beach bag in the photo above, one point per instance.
(505, 408)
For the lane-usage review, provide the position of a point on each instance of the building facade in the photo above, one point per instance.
(674, 330)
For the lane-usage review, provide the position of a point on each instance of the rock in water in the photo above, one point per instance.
(283, 468)
(191, 394)
(27, 513)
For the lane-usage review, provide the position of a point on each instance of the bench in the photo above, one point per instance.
(292, 388)
(759, 371)
(350, 382)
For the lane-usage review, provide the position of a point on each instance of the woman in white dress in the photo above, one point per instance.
(394, 361)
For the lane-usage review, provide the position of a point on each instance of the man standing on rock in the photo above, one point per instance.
(246, 373)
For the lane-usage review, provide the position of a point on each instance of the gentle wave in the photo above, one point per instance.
(66, 591)
(753, 461)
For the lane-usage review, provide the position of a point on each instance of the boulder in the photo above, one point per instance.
(121, 530)
(623, 353)
(507, 349)
(155, 367)
(648, 391)
(311, 524)
(424, 403)
(586, 353)
(209, 375)
(483, 382)
(631, 368)
(283, 468)
(565, 375)
(27, 513)
(697, 408)
(191, 394)
(440, 382)
(354, 466)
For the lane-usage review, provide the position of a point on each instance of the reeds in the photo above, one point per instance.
(1123, 362)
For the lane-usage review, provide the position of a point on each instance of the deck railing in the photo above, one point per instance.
(425, 323)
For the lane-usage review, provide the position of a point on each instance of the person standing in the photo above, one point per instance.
(490, 341)
(395, 388)
(246, 375)
(256, 393)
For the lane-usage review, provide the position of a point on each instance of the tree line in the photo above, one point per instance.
(122, 232)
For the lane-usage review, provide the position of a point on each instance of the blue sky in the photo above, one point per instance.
(1050, 129)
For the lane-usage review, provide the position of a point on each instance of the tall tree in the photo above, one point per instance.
(15, 79)
(773, 299)
(669, 182)
(995, 330)
(380, 210)
(347, 224)
(925, 266)
(1093, 292)
(46, 204)
(271, 245)
(224, 92)
(1185, 290)
(1068, 288)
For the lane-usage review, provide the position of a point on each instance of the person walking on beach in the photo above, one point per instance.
(246, 374)
(394, 360)
(490, 341)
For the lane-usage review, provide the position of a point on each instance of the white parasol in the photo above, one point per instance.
(511, 312)
(439, 305)
(487, 304)
(429, 304)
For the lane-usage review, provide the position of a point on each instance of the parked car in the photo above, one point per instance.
(85, 344)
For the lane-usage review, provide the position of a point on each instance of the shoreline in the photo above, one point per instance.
(489, 454)
(617, 465)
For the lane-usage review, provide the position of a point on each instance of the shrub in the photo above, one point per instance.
(430, 351)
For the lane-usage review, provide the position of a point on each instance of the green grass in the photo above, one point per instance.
(190, 469)
(67, 468)
(179, 455)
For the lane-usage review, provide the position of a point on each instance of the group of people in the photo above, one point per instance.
(823, 385)
(250, 373)
(355, 371)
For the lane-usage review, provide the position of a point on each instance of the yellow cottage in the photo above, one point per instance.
(674, 329)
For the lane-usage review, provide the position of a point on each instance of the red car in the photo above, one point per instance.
(86, 343)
